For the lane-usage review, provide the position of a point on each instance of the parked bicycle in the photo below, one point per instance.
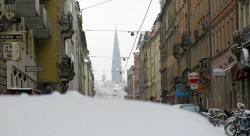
(216, 116)
(239, 123)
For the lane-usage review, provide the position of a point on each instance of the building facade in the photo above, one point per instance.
(206, 37)
(143, 70)
(240, 49)
(169, 64)
(43, 46)
(222, 26)
(200, 50)
(154, 36)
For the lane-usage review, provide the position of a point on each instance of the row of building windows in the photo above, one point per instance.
(217, 6)
(222, 35)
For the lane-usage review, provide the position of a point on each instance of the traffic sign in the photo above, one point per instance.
(193, 77)
(194, 86)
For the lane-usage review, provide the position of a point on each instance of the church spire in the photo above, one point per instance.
(116, 61)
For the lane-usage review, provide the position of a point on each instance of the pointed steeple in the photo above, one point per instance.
(116, 61)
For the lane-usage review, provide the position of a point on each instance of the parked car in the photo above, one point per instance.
(190, 107)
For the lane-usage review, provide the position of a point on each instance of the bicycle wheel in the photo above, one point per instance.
(221, 118)
(230, 129)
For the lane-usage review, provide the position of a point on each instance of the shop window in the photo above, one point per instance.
(21, 83)
(17, 83)
(11, 80)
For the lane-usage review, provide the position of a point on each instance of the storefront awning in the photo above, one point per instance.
(241, 74)
(221, 72)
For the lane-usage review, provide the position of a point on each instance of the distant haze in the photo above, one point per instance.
(124, 15)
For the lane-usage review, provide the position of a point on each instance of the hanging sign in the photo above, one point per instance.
(11, 50)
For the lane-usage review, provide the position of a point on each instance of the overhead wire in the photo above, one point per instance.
(137, 35)
(105, 30)
(108, 57)
(139, 30)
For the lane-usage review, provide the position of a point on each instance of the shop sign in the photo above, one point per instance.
(11, 50)
(218, 72)
(11, 36)
(194, 86)
(34, 69)
(17, 36)
(181, 90)
(201, 88)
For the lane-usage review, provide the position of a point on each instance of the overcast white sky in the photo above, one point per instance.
(121, 14)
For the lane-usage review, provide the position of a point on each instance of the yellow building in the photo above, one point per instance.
(51, 52)
(24, 23)
(169, 68)
(155, 61)
(143, 66)
(42, 34)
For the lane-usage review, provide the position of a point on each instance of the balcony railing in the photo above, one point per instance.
(67, 70)
(66, 18)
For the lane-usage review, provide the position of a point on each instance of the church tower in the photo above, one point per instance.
(116, 61)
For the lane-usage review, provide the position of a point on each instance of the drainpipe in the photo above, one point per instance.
(237, 15)
(210, 93)
(189, 48)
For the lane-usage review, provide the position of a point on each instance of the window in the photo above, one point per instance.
(31, 50)
(21, 83)
(246, 15)
(220, 40)
(212, 43)
(66, 47)
(231, 28)
(17, 84)
(11, 80)
(72, 57)
(224, 37)
(27, 44)
(216, 42)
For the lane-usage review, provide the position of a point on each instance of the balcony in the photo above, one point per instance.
(27, 8)
(37, 22)
(185, 74)
(41, 25)
(5, 23)
(176, 51)
(237, 42)
(65, 22)
(246, 34)
(67, 70)
(44, 33)
(185, 41)
(204, 65)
